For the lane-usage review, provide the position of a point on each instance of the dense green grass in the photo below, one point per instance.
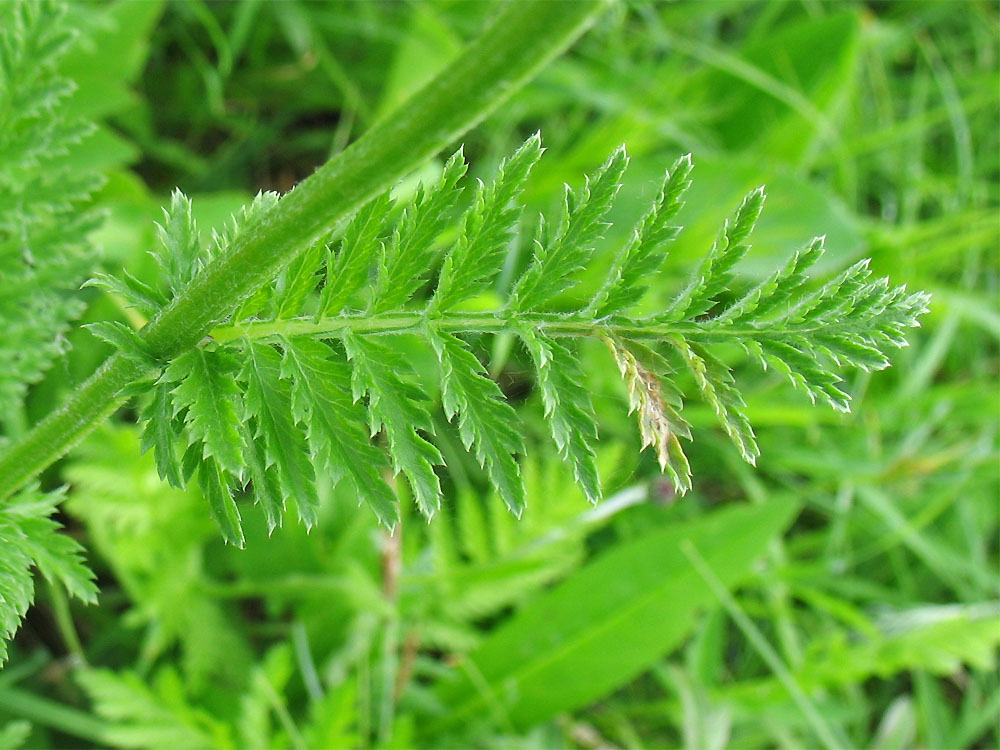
(843, 593)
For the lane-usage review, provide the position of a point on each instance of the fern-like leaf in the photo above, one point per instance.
(207, 396)
(266, 400)
(334, 423)
(581, 224)
(45, 220)
(407, 254)
(716, 271)
(160, 434)
(395, 405)
(268, 403)
(485, 230)
(179, 243)
(30, 538)
(629, 275)
(485, 421)
(347, 272)
(215, 487)
(567, 405)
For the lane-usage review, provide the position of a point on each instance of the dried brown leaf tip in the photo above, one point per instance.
(658, 410)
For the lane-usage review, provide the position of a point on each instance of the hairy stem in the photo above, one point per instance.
(521, 40)
(554, 324)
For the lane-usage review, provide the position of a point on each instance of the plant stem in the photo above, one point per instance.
(49, 713)
(493, 321)
(523, 38)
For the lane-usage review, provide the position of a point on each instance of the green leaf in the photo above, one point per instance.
(795, 359)
(215, 488)
(139, 716)
(640, 259)
(715, 274)
(568, 647)
(179, 243)
(567, 406)
(940, 640)
(485, 420)
(243, 221)
(296, 281)
(134, 293)
(407, 255)
(160, 434)
(30, 538)
(581, 224)
(207, 395)
(124, 339)
(485, 230)
(774, 291)
(397, 406)
(347, 273)
(46, 216)
(321, 400)
(715, 381)
(269, 403)
(266, 487)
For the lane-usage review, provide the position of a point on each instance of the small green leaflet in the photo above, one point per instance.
(640, 259)
(715, 274)
(768, 296)
(30, 538)
(180, 243)
(396, 406)
(268, 403)
(485, 231)
(580, 225)
(133, 292)
(266, 487)
(347, 272)
(406, 256)
(321, 401)
(567, 405)
(159, 433)
(215, 488)
(717, 386)
(124, 339)
(485, 420)
(296, 281)
(207, 395)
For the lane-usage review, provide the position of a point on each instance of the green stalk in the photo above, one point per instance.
(523, 38)
(491, 321)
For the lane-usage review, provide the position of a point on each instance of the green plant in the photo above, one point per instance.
(839, 594)
(263, 400)
(274, 385)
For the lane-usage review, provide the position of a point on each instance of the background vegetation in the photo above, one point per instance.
(844, 593)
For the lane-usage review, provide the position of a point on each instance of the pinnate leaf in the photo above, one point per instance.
(640, 259)
(395, 405)
(159, 433)
(207, 395)
(581, 224)
(215, 487)
(567, 406)
(486, 422)
(486, 230)
(30, 538)
(407, 255)
(321, 400)
(268, 403)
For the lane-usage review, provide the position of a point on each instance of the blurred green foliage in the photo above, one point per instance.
(864, 546)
